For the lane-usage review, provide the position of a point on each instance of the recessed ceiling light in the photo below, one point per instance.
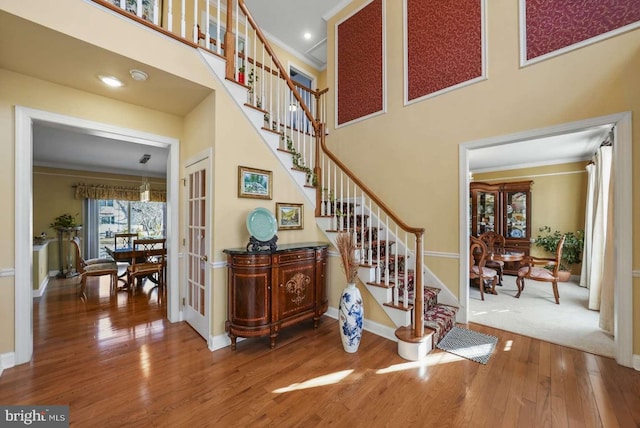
(111, 81)
(307, 36)
(138, 75)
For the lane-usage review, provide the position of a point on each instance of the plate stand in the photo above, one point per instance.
(257, 245)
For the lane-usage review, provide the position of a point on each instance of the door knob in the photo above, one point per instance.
(204, 258)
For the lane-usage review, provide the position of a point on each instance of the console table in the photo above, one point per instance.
(269, 290)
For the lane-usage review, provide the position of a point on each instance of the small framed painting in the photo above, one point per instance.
(254, 183)
(289, 216)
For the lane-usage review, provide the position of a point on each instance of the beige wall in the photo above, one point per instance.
(558, 197)
(423, 138)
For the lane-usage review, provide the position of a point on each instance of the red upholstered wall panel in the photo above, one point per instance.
(444, 44)
(360, 64)
(556, 24)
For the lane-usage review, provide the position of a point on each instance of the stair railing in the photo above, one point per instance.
(298, 115)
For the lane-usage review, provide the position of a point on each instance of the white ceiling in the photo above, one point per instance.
(286, 21)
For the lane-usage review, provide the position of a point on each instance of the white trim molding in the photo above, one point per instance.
(336, 91)
(440, 254)
(7, 361)
(484, 75)
(41, 288)
(7, 272)
(636, 362)
(23, 145)
(623, 210)
(524, 62)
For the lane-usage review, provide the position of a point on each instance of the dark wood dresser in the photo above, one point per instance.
(269, 290)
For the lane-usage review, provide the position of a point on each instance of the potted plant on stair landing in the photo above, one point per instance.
(571, 251)
(350, 309)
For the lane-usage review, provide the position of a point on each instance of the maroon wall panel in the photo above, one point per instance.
(556, 24)
(444, 44)
(360, 64)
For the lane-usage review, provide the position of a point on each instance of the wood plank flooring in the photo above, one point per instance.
(117, 362)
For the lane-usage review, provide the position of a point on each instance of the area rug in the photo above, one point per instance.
(469, 344)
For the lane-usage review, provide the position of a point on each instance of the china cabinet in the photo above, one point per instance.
(504, 208)
(272, 289)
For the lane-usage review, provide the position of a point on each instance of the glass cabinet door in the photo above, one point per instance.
(516, 215)
(486, 212)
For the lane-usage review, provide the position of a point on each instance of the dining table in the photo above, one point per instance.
(129, 255)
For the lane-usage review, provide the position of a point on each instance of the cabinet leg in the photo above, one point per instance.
(233, 341)
(273, 341)
(316, 322)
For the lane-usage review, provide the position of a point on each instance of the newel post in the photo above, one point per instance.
(418, 310)
(230, 44)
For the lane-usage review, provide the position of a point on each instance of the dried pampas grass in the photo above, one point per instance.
(347, 249)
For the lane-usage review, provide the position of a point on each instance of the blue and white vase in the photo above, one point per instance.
(350, 317)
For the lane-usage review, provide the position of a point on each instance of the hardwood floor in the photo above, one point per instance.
(116, 361)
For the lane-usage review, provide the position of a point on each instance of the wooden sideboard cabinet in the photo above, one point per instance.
(504, 208)
(269, 290)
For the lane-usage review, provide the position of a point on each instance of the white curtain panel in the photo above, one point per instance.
(588, 225)
(600, 227)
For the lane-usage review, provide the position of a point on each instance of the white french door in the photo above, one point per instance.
(197, 295)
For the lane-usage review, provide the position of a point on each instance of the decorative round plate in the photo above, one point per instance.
(516, 233)
(262, 224)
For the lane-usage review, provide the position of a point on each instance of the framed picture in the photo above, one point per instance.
(289, 216)
(254, 183)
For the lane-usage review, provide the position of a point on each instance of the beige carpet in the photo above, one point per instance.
(535, 314)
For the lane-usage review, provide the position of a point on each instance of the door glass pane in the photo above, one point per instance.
(516, 214)
(486, 212)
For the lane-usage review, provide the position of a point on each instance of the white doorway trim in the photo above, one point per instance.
(623, 196)
(24, 118)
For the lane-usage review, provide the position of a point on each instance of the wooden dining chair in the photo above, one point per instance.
(93, 267)
(494, 240)
(123, 240)
(152, 263)
(477, 269)
(536, 269)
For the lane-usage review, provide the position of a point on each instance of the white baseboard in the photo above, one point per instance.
(636, 362)
(7, 360)
(43, 286)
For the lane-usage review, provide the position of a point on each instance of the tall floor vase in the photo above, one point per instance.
(350, 317)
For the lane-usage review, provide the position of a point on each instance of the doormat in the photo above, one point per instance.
(469, 344)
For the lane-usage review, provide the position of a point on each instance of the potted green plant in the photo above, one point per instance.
(571, 251)
(64, 221)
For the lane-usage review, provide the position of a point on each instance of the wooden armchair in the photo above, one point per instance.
(494, 240)
(151, 265)
(93, 267)
(477, 269)
(532, 271)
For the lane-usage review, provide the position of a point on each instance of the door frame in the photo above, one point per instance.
(205, 155)
(623, 197)
(24, 118)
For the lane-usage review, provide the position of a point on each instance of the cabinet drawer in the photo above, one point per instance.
(296, 256)
(251, 260)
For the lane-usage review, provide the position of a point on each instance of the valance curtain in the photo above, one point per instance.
(122, 193)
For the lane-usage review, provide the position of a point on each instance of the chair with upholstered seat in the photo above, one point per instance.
(151, 265)
(533, 271)
(477, 269)
(493, 241)
(93, 267)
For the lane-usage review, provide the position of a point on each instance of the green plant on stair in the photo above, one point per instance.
(298, 161)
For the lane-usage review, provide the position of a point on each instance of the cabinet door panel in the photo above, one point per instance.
(250, 297)
(296, 288)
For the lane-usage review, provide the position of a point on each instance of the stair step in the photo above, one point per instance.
(401, 307)
(441, 319)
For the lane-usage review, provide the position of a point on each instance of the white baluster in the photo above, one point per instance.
(170, 16)
(218, 27)
(341, 200)
(139, 8)
(156, 18)
(348, 206)
(406, 270)
(195, 21)
(386, 251)
(183, 20)
(370, 253)
(363, 254)
(335, 194)
(207, 35)
(396, 288)
(378, 271)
